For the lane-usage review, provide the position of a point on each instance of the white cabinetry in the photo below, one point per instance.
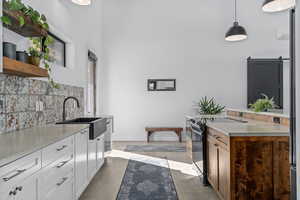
(18, 180)
(64, 190)
(81, 161)
(27, 189)
(100, 151)
(60, 171)
(92, 158)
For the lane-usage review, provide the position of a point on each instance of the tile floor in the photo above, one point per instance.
(106, 183)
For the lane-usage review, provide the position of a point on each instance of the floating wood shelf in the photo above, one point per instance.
(28, 30)
(18, 68)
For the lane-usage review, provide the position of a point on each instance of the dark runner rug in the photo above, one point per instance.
(155, 148)
(143, 181)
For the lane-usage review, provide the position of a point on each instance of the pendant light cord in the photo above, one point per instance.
(235, 6)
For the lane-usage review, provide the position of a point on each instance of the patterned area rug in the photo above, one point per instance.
(143, 181)
(154, 148)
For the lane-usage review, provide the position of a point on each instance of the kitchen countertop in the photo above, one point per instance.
(251, 128)
(259, 113)
(14, 145)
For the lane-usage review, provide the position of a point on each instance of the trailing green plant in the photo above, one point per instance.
(27, 11)
(40, 45)
(40, 48)
(264, 104)
(209, 106)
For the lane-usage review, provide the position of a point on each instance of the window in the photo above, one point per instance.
(91, 87)
(58, 50)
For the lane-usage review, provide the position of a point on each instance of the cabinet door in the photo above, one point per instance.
(92, 158)
(27, 189)
(81, 161)
(224, 173)
(63, 191)
(100, 151)
(9, 194)
(212, 162)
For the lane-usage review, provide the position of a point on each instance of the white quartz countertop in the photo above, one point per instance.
(14, 145)
(251, 128)
(238, 127)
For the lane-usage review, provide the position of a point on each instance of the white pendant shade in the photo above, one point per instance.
(278, 5)
(82, 2)
(235, 38)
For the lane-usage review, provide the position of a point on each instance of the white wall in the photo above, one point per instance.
(182, 39)
(81, 26)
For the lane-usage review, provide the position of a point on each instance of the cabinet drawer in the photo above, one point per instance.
(19, 170)
(57, 151)
(220, 137)
(64, 190)
(52, 175)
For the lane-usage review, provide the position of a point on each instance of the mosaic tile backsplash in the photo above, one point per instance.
(19, 96)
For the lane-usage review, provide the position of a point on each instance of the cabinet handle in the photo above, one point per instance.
(18, 172)
(62, 181)
(61, 148)
(60, 165)
(20, 188)
(12, 193)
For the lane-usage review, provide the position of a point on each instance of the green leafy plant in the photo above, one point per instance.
(264, 104)
(40, 49)
(209, 106)
(23, 12)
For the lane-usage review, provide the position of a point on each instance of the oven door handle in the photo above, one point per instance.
(197, 132)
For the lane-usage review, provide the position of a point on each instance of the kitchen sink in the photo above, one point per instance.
(97, 125)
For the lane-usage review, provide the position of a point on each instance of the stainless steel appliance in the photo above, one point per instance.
(197, 150)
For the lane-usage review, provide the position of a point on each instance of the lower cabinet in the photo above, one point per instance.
(248, 167)
(64, 190)
(212, 159)
(27, 189)
(224, 172)
(81, 161)
(60, 171)
(100, 151)
(92, 158)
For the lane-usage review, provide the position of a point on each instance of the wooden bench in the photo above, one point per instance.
(151, 130)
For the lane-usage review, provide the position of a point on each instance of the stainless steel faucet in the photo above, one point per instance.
(64, 106)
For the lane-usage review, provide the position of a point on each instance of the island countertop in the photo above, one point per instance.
(236, 126)
(15, 145)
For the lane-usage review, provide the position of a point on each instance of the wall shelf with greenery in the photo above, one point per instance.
(15, 67)
(22, 24)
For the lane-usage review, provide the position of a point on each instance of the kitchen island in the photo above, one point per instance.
(248, 159)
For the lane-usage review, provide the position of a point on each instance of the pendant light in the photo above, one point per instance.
(82, 2)
(278, 5)
(236, 32)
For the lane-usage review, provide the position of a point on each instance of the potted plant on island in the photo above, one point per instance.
(209, 108)
(264, 104)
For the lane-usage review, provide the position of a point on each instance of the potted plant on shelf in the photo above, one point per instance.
(39, 50)
(264, 104)
(35, 52)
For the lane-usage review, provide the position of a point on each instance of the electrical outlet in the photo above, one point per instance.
(41, 106)
(37, 106)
